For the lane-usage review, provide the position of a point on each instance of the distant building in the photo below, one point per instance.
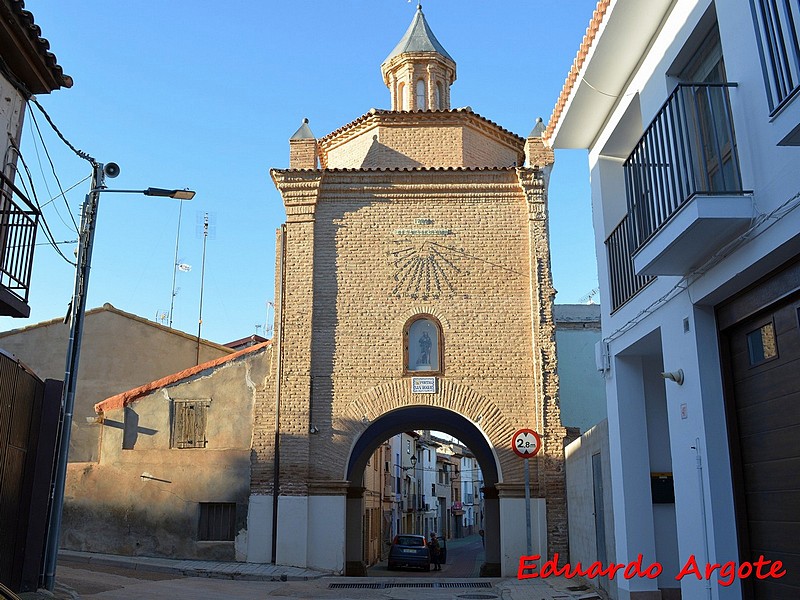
(581, 387)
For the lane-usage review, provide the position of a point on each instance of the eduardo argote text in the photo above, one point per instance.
(727, 572)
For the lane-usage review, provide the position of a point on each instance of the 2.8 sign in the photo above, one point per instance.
(526, 443)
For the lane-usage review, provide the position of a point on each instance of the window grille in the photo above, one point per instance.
(217, 522)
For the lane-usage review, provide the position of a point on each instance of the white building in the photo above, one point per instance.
(690, 110)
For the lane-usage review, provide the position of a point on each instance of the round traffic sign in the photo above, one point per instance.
(526, 443)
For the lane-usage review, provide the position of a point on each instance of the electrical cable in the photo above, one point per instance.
(80, 153)
(72, 187)
(53, 168)
(47, 232)
(47, 187)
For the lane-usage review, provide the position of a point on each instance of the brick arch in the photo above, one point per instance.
(422, 309)
(456, 398)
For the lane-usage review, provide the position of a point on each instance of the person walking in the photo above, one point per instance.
(436, 553)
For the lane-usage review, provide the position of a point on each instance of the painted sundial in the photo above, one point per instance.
(424, 264)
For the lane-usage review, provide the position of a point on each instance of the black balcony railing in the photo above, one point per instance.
(776, 23)
(625, 284)
(18, 223)
(688, 149)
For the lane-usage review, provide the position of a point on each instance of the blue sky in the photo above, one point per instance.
(201, 94)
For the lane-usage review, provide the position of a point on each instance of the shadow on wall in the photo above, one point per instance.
(379, 156)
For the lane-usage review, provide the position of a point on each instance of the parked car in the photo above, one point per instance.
(409, 550)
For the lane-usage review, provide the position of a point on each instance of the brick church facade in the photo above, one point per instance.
(413, 291)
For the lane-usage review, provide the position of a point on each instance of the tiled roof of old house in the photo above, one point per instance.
(572, 77)
(26, 52)
(107, 307)
(125, 398)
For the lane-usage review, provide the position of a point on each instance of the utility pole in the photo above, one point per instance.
(76, 319)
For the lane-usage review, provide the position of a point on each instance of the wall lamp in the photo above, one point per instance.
(413, 461)
(313, 429)
(676, 376)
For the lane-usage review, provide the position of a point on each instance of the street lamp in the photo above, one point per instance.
(413, 461)
(76, 318)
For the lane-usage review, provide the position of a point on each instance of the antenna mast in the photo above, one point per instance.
(175, 265)
(202, 284)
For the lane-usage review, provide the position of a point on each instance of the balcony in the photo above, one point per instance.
(624, 282)
(18, 223)
(683, 187)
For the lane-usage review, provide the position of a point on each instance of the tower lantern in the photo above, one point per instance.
(419, 71)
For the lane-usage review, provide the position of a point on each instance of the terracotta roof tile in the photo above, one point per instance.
(23, 19)
(125, 398)
(391, 169)
(432, 113)
(572, 77)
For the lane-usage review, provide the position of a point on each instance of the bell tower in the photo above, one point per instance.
(419, 71)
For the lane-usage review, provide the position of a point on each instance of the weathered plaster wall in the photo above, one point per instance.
(111, 508)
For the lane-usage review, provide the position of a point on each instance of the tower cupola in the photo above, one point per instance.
(419, 71)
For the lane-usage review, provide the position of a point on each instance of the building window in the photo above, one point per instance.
(217, 522)
(189, 419)
(762, 345)
(776, 26)
(422, 347)
(401, 90)
(439, 105)
(421, 102)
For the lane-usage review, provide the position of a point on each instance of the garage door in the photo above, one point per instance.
(763, 406)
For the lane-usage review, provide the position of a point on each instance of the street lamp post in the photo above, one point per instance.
(76, 318)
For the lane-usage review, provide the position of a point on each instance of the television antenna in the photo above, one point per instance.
(206, 227)
(589, 298)
(175, 264)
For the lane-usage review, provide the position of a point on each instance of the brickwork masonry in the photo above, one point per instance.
(365, 251)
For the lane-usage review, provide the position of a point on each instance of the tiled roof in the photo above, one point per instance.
(107, 307)
(418, 38)
(125, 398)
(392, 169)
(572, 78)
(18, 21)
(432, 114)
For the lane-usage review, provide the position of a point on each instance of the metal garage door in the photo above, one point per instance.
(761, 355)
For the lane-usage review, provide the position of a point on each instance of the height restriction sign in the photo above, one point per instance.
(526, 443)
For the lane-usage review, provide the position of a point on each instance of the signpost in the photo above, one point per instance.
(526, 443)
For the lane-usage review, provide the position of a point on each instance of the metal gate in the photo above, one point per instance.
(29, 414)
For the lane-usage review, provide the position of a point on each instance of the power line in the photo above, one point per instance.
(53, 168)
(47, 232)
(80, 153)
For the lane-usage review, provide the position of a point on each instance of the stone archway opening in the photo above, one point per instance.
(411, 418)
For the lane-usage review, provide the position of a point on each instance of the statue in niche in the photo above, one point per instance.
(425, 345)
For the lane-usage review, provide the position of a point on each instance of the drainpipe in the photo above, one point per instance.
(699, 461)
(276, 479)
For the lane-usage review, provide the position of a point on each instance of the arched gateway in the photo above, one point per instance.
(413, 292)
